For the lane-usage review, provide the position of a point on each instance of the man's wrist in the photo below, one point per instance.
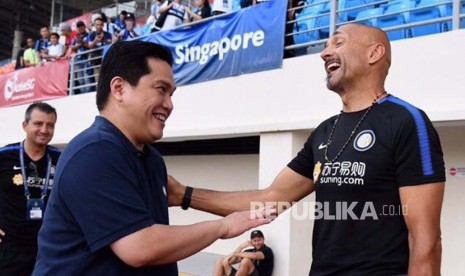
(186, 200)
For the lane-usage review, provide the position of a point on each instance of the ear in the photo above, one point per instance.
(377, 51)
(116, 88)
(24, 125)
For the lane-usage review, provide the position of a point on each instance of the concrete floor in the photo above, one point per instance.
(200, 264)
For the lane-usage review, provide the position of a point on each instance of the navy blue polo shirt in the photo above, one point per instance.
(104, 190)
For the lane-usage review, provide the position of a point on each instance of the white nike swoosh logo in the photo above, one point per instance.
(16, 168)
(321, 146)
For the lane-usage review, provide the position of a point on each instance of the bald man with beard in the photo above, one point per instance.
(376, 168)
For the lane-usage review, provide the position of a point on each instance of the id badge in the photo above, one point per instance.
(34, 208)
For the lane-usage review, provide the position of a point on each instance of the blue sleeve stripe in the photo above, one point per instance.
(423, 139)
(9, 148)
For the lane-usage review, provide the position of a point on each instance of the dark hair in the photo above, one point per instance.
(104, 16)
(44, 107)
(55, 34)
(99, 19)
(128, 60)
(80, 24)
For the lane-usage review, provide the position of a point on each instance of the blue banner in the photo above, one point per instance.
(246, 41)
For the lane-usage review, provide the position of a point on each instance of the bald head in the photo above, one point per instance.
(356, 55)
(371, 36)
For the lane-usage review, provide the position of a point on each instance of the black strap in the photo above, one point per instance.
(186, 200)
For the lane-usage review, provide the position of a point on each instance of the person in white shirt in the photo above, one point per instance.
(222, 6)
(56, 50)
(176, 14)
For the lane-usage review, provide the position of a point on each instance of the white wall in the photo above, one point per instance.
(218, 172)
(453, 218)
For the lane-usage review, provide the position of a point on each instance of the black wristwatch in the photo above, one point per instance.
(186, 200)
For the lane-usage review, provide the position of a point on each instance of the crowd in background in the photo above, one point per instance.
(163, 15)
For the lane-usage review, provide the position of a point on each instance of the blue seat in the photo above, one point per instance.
(322, 22)
(431, 13)
(397, 13)
(301, 37)
(315, 7)
(309, 17)
(351, 14)
(462, 23)
(367, 14)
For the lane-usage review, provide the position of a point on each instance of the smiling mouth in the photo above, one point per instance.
(160, 117)
(332, 66)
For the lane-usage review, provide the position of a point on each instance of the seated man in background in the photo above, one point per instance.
(257, 261)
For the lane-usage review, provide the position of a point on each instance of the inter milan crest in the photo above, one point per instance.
(18, 179)
(364, 140)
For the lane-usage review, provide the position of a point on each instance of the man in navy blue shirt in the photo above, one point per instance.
(108, 214)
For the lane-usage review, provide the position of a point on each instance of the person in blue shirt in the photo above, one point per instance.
(79, 46)
(129, 32)
(119, 24)
(43, 43)
(108, 214)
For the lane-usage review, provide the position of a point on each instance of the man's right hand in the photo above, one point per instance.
(237, 223)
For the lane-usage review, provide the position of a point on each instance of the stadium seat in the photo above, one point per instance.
(369, 13)
(315, 7)
(397, 13)
(350, 15)
(301, 37)
(462, 24)
(431, 13)
(309, 17)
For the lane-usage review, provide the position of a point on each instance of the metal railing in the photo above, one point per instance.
(318, 24)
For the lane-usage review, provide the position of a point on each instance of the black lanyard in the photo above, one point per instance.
(23, 172)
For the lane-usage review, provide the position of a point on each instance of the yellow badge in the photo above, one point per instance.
(18, 179)
(316, 171)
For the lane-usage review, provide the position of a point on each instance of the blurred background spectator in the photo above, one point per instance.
(30, 56)
(176, 14)
(201, 10)
(66, 37)
(55, 50)
(19, 57)
(129, 32)
(43, 43)
(222, 6)
(79, 45)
